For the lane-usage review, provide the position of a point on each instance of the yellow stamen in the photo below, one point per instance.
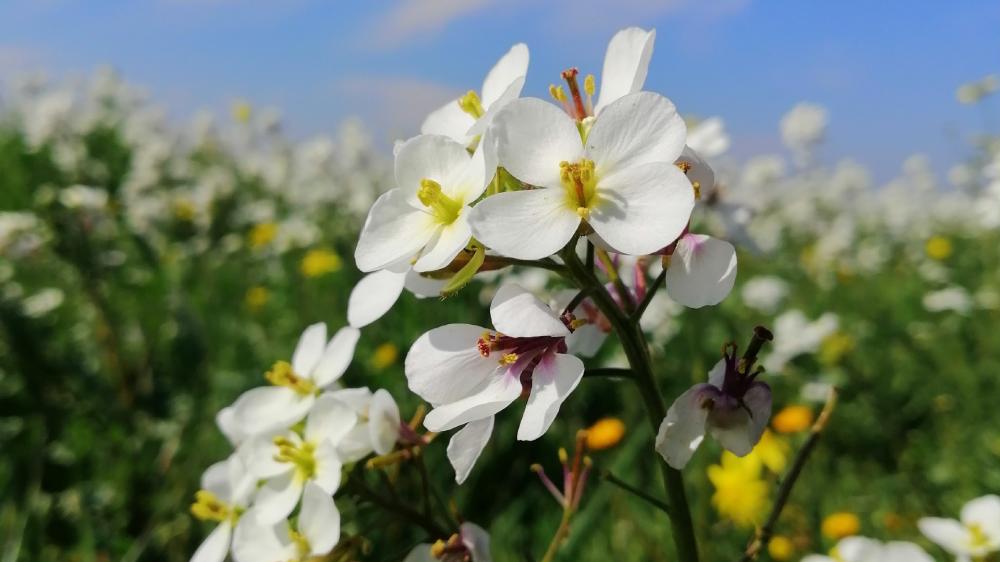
(557, 93)
(281, 374)
(302, 455)
(977, 538)
(508, 359)
(580, 182)
(697, 190)
(471, 104)
(207, 507)
(589, 85)
(444, 208)
(301, 543)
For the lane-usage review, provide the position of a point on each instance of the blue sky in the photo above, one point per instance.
(886, 70)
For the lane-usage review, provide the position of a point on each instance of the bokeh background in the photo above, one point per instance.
(182, 183)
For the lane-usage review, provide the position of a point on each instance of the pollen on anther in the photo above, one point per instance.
(508, 359)
(583, 212)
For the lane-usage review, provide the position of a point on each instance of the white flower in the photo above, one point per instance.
(469, 373)
(377, 292)
(803, 127)
(318, 531)
(626, 63)
(226, 488)
(863, 549)
(426, 215)
(315, 365)
(463, 119)
(795, 335)
(472, 544)
(83, 197)
(976, 535)
(702, 270)
(732, 406)
(43, 302)
(621, 181)
(709, 138)
(954, 299)
(377, 423)
(764, 293)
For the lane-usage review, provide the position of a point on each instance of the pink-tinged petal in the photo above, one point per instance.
(525, 224)
(329, 420)
(374, 295)
(277, 498)
(336, 356)
(309, 349)
(448, 120)
(683, 429)
(635, 130)
(383, 422)
(467, 444)
(444, 364)
(267, 408)
(532, 138)
(642, 209)
(946, 533)
(511, 66)
(215, 547)
(433, 157)
(984, 512)
(477, 540)
(510, 94)
(319, 520)
(445, 245)
(625, 64)
(553, 380)
(497, 395)
(737, 430)
(395, 230)
(702, 271)
(518, 313)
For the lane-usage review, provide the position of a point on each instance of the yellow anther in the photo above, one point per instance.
(684, 165)
(471, 104)
(563, 455)
(580, 182)
(589, 85)
(508, 359)
(697, 190)
(536, 467)
(301, 543)
(302, 455)
(208, 507)
(557, 93)
(444, 208)
(583, 212)
(437, 549)
(577, 323)
(281, 374)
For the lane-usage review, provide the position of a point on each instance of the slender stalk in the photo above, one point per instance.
(609, 267)
(655, 502)
(561, 533)
(650, 293)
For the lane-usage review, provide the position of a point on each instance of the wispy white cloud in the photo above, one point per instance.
(410, 20)
(394, 105)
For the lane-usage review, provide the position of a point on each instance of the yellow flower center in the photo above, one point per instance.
(281, 374)
(301, 543)
(444, 208)
(471, 104)
(580, 183)
(938, 248)
(301, 455)
(977, 538)
(262, 234)
(208, 507)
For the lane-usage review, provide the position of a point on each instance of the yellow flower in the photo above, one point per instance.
(741, 495)
(241, 111)
(262, 234)
(184, 210)
(605, 433)
(781, 548)
(793, 419)
(841, 524)
(938, 248)
(835, 347)
(257, 297)
(772, 452)
(318, 262)
(385, 355)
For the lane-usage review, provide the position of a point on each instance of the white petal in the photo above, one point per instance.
(467, 444)
(383, 422)
(586, 340)
(215, 547)
(357, 399)
(230, 426)
(374, 295)
(356, 445)
(329, 420)
(393, 231)
(444, 365)
(510, 94)
(516, 312)
(309, 349)
(699, 171)
(818, 558)
(277, 498)
(510, 67)
(267, 408)
(984, 512)
(552, 382)
(319, 520)
(447, 242)
(859, 549)
(740, 437)
(477, 540)
(625, 64)
(257, 542)
(901, 551)
(257, 454)
(215, 479)
(683, 429)
(526, 225)
(497, 395)
(709, 138)
(469, 180)
(637, 129)
(336, 357)
(420, 553)
(328, 467)
(947, 533)
(424, 287)
(532, 137)
(433, 157)
(449, 120)
(702, 271)
(642, 209)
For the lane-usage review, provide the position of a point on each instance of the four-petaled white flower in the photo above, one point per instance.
(469, 373)
(377, 423)
(226, 490)
(976, 535)
(470, 544)
(733, 406)
(863, 549)
(317, 532)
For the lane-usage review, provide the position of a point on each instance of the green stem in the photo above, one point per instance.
(655, 502)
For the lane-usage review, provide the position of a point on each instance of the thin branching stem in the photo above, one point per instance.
(655, 502)
(650, 293)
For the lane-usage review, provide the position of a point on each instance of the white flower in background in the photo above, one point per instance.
(802, 128)
(376, 293)
(709, 138)
(974, 536)
(795, 335)
(461, 120)
(18, 232)
(83, 197)
(698, 172)
(426, 217)
(863, 549)
(226, 488)
(287, 461)
(469, 373)
(43, 302)
(702, 270)
(377, 423)
(315, 365)
(764, 293)
(621, 181)
(953, 299)
(973, 92)
(317, 532)
(470, 544)
(733, 406)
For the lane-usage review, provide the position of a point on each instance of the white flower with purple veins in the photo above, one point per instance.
(974, 536)
(469, 373)
(315, 364)
(425, 219)
(733, 406)
(226, 489)
(463, 119)
(863, 549)
(470, 544)
(618, 179)
(288, 461)
(317, 532)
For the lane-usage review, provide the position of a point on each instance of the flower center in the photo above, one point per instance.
(580, 183)
(301, 455)
(281, 374)
(471, 104)
(208, 507)
(575, 105)
(977, 538)
(301, 543)
(444, 208)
